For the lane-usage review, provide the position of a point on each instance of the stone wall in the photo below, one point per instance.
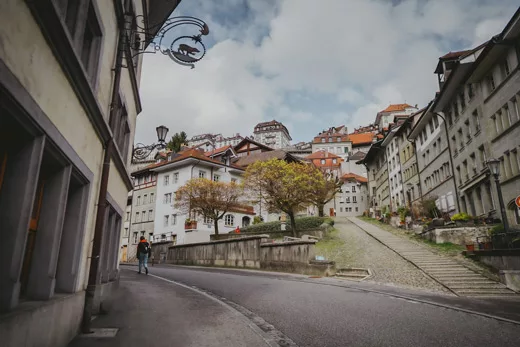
(318, 232)
(499, 259)
(160, 251)
(292, 256)
(459, 235)
(235, 252)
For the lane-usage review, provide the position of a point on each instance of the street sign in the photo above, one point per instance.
(517, 200)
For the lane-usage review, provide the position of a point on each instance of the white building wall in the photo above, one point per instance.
(395, 176)
(342, 149)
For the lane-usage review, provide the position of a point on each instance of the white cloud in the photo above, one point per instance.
(360, 54)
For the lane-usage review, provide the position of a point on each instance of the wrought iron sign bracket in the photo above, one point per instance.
(185, 50)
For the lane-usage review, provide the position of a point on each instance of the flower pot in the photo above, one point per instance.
(488, 246)
(190, 225)
(470, 248)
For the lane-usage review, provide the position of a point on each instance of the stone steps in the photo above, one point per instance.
(484, 291)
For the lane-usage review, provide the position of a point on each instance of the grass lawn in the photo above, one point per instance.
(444, 248)
(329, 245)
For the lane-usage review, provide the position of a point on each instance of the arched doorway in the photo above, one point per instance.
(246, 221)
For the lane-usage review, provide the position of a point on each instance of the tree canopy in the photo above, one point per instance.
(209, 198)
(282, 186)
(325, 189)
(177, 141)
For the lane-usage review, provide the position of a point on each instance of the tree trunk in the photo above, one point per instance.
(321, 213)
(215, 223)
(293, 223)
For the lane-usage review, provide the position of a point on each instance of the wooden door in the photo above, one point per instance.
(331, 212)
(31, 237)
(124, 255)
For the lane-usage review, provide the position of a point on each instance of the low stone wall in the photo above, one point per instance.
(458, 235)
(318, 232)
(292, 256)
(160, 251)
(235, 252)
(499, 259)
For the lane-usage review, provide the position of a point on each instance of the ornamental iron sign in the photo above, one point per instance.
(185, 50)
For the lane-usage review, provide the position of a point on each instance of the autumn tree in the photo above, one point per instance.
(324, 190)
(282, 186)
(208, 198)
(177, 141)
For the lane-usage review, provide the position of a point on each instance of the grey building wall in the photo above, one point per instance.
(353, 200)
(501, 112)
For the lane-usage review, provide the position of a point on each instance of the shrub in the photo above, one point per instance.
(303, 223)
(461, 217)
(497, 229)
(257, 220)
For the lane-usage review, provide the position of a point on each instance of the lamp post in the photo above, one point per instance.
(493, 165)
(141, 152)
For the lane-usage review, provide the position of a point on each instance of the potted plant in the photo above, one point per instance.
(470, 247)
(461, 218)
(190, 224)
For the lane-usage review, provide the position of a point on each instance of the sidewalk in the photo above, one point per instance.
(152, 312)
(458, 278)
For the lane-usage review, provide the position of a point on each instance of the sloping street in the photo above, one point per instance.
(162, 310)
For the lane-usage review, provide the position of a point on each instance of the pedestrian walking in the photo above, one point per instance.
(143, 252)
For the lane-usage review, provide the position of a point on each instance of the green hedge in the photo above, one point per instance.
(303, 223)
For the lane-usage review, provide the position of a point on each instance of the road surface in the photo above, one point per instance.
(334, 312)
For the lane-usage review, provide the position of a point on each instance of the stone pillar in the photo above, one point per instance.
(42, 275)
(71, 240)
(16, 204)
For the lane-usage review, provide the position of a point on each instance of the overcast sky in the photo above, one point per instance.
(309, 64)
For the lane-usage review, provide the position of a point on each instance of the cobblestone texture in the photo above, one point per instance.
(352, 247)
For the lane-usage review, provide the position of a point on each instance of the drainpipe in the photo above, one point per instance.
(102, 199)
(451, 158)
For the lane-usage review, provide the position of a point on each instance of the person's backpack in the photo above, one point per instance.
(146, 248)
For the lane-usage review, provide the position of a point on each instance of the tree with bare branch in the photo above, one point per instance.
(208, 198)
(325, 189)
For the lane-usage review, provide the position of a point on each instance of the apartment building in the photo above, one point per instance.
(327, 162)
(67, 117)
(334, 140)
(353, 197)
(272, 134)
(434, 162)
(385, 117)
(378, 179)
(391, 144)
(409, 169)
(174, 173)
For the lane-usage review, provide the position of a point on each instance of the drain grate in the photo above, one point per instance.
(101, 333)
(354, 273)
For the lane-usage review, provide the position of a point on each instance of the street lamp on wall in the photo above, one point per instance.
(494, 167)
(142, 151)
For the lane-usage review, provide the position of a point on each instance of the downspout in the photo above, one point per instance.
(103, 188)
(451, 158)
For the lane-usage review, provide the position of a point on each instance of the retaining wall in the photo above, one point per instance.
(459, 235)
(160, 251)
(318, 232)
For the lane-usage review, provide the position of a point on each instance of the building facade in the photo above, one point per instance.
(272, 134)
(327, 162)
(353, 199)
(391, 144)
(385, 117)
(333, 140)
(67, 118)
(378, 180)
(171, 175)
(434, 161)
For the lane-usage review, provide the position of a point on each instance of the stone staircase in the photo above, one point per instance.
(458, 278)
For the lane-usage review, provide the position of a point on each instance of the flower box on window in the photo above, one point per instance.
(190, 224)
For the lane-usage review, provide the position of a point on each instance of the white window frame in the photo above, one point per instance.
(166, 180)
(229, 220)
(166, 220)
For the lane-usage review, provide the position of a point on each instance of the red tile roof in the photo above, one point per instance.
(322, 155)
(361, 138)
(351, 175)
(396, 107)
(217, 150)
(454, 55)
(189, 153)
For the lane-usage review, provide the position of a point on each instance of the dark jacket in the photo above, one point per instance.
(142, 247)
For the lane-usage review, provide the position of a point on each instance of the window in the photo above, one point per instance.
(471, 91)
(166, 180)
(462, 98)
(473, 163)
(127, 216)
(334, 161)
(341, 209)
(208, 220)
(508, 115)
(495, 123)
(459, 174)
(166, 220)
(322, 140)
(174, 219)
(167, 198)
(121, 130)
(436, 121)
(491, 82)
(229, 220)
(145, 199)
(202, 174)
(125, 233)
(338, 139)
(137, 219)
(216, 178)
(175, 177)
(476, 121)
(430, 124)
(138, 201)
(135, 237)
(150, 215)
(482, 156)
(468, 129)
(353, 189)
(322, 161)
(152, 198)
(354, 199)
(144, 216)
(515, 109)
(461, 138)
(505, 67)
(347, 199)
(91, 43)
(465, 172)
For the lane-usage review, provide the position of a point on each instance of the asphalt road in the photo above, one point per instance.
(323, 312)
